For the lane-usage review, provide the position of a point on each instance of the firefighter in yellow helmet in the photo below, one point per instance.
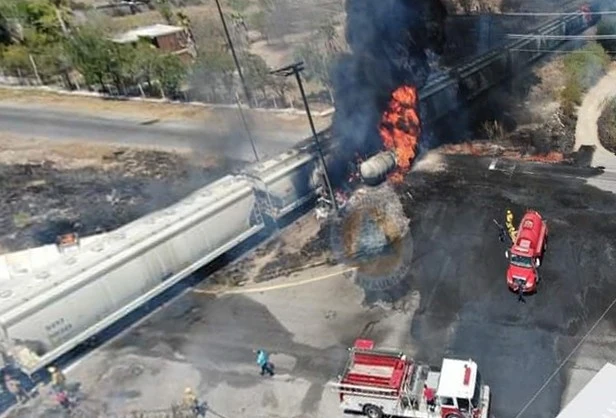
(58, 380)
(191, 403)
(509, 224)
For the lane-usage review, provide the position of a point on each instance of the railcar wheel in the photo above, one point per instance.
(372, 411)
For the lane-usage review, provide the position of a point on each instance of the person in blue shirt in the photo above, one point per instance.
(264, 363)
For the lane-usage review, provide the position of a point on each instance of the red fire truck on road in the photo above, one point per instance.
(379, 383)
(526, 254)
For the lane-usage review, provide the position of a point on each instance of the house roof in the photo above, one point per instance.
(151, 31)
(596, 399)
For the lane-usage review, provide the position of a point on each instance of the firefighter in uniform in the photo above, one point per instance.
(191, 403)
(58, 380)
(509, 225)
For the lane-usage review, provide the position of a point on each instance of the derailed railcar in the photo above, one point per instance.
(46, 315)
(286, 182)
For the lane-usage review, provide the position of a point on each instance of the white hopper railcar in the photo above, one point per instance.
(48, 312)
(287, 181)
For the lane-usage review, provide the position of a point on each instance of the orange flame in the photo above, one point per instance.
(400, 129)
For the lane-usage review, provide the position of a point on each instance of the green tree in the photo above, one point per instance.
(170, 72)
(144, 64)
(89, 52)
(39, 26)
(256, 73)
(166, 11)
(319, 54)
(15, 59)
(213, 68)
(42, 17)
(583, 68)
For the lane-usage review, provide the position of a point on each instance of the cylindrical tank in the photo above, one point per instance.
(376, 168)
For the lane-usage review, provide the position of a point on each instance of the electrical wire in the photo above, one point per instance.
(562, 364)
(561, 37)
(607, 12)
(546, 51)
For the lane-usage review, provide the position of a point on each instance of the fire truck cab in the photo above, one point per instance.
(379, 383)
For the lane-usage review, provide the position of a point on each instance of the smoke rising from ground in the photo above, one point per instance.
(389, 40)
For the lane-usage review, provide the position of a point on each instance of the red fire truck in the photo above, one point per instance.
(379, 383)
(526, 253)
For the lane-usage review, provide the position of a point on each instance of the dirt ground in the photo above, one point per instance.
(300, 247)
(50, 188)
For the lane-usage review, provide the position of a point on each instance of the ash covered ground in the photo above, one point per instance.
(457, 267)
(450, 299)
(47, 189)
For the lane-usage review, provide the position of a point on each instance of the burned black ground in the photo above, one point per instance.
(459, 266)
(42, 200)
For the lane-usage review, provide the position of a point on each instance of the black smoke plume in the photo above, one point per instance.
(389, 40)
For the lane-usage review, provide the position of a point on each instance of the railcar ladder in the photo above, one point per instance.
(264, 203)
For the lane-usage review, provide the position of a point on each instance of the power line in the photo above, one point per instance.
(561, 37)
(562, 364)
(608, 12)
(579, 51)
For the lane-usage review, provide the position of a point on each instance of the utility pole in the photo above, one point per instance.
(295, 69)
(237, 64)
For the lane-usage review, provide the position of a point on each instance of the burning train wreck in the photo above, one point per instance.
(399, 130)
(376, 84)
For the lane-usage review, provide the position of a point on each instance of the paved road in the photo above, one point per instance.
(227, 137)
(451, 301)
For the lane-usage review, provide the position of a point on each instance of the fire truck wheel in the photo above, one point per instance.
(372, 411)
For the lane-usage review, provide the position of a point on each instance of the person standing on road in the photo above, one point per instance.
(191, 403)
(430, 398)
(58, 380)
(264, 363)
(14, 387)
(62, 399)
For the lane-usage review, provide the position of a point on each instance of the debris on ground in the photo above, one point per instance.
(301, 246)
(486, 148)
(50, 188)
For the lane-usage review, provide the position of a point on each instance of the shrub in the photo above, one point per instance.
(583, 68)
(607, 126)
